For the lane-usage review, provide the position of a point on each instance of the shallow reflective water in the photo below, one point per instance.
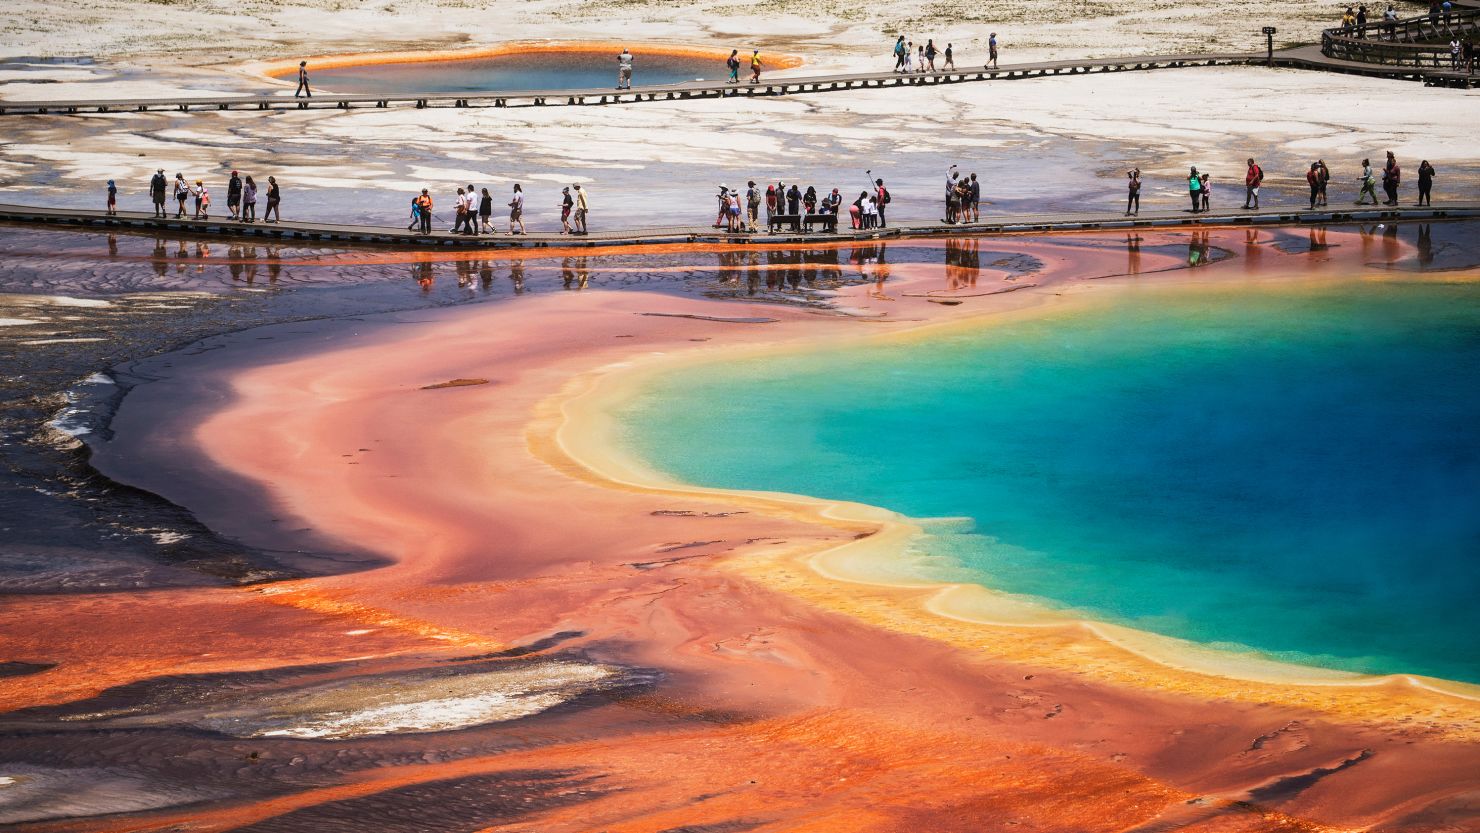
(529, 71)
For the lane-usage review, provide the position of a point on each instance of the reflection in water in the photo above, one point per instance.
(1425, 245)
(1317, 236)
(1197, 249)
(422, 272)
(574, 273)
(1132, 253)
(963, 262)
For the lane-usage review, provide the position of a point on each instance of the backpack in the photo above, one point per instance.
(886, 198)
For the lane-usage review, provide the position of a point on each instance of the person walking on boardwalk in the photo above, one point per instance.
(624, 70)
(1368, 183)
(485, 212)
(900, 51)
(1361, 21)
(460, 213)
(1391, 176)
(1133, 192)
(583, 206)
(234, 196)
(303, 89)
(566, 203)
(950, 59)
(202, 200)
(930, 52)
(274, 200)
(1425, 183)
(752, 204)
(1194, 190)
(909, 58)
(733, 65)
(737, 218)
(755, 67)
(721, 206)
(516, 210)
(424, 211)
(249, 200)
(1348, 19)
(112, 198)
(882, 199)
(1325, 179)
(1313, 179)
(991, 52)
(182, 193)
(1253, 178)
(920, 64)
(157, 185)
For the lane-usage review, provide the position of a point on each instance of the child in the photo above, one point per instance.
(1206, 193)
(112, 199)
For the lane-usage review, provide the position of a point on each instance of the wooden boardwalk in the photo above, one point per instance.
(310, 233)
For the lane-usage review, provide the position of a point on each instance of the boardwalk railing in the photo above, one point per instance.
(1398, 44)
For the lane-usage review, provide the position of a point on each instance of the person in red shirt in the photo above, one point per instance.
(1252, 181)
(1313, 179)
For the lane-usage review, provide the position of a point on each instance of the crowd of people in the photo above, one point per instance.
(1356, 21)
(740, 211)
(910, 57)
(473, 211)
(241, 197)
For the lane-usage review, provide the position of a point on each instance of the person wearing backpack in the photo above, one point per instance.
(881, 200)
(1252, 180)
(752, 204)
(182, 193)
(899, 53)
(234, 196)
(733, 64)
(424, 211)
(1194, 190)
(157, 185)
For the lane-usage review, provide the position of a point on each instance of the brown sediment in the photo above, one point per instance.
(793, 701)
(455, 383)
(283, 68)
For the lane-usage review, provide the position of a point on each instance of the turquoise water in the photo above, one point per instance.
(1296, 472)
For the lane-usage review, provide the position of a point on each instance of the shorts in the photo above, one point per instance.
(564, 214)
(515, 212)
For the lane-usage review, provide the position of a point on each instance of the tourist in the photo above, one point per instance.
(951, 177)
(900, 51)
(303, 81)
(566, 203)
(834, 204)
(275, 199)
(202, 200)
(809, 200)
(882, 200)
(1391, 177)
(1253, 178)
(424, 211)
(909, 57)
(1425, 183)
(485, 212)
(974, 198)
(624, 70)
(794, 200)
(752, 204)
(1390, 22)
(991, 52)
(1470, 56)
(930, 52)
(112, 198)
(953, 203)
(1434, 11)
(871, 213)
(1133, 192)
(461, 219)
(855, 211)
(1325, 177)
(249, 200)
(755, 67)
(721, 206)
(1448, 9)
(1348, 19)
(1361, 21)
(234, 196)
(1194, 190)
(920, 62)
(1313, 179)
(1369, 184)
(1455, 52)
(950, 60)
(583, 207)
(516, 210)
(772, 205)
(737, 222)
(1207, 193)
(415, 213)
(157, 184)
(733, 65)
(182, 193)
